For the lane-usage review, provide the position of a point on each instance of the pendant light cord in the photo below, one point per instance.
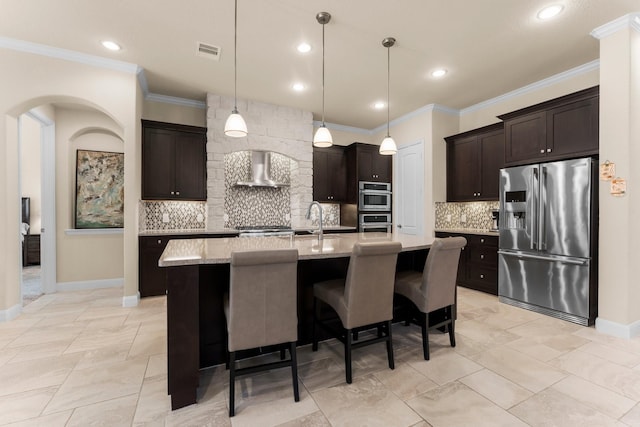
(323, 75)
(388, 78)
(235, 59)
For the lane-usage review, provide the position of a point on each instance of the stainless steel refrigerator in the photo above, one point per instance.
(548, 239)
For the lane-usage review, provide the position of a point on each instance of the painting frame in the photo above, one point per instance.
(99, 198)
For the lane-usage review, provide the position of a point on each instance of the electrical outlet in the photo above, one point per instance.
(165, 218)
(463, 218)
(448, 217)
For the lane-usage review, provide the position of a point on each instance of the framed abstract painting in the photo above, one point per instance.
(99, 189)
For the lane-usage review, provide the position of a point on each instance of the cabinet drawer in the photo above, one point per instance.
(155, 242)
(483, 278)
(487, 256)
(481, 240)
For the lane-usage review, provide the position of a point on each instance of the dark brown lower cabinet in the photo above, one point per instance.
(152, 280)
(31, 250)
(478, 267)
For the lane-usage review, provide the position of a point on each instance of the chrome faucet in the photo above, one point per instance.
(308, 216)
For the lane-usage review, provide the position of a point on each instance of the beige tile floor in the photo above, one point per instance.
(79, 359)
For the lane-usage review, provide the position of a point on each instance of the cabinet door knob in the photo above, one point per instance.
(482, 276)
(542, 151)
(173, 192)
(548, 150)
(177, 193)
(481, 256)
(159, 241)
(481, 240)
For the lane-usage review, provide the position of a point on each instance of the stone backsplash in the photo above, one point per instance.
(472, 215)
(282, 130)
(172, 215)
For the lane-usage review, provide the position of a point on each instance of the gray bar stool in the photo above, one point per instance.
(434, 288)
(364, 298)
(261, 310)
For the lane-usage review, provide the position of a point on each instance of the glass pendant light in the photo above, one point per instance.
(323, 138)
(235, 125)
(388, 146)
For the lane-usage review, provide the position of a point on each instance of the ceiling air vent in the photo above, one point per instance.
(208, 51)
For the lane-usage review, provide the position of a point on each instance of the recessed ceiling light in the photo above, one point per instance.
(439, 72)
(379, 105)
(550, 11)
(111, 45)
(298, 87)
(304, 47)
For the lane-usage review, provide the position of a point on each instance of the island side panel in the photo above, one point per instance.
(214, 283)
(183, 334)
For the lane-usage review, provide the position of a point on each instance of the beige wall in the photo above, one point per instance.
(30, 169)
(430, 126)
(23, 86)
(619, 142)
(174, 113)
(83, 257)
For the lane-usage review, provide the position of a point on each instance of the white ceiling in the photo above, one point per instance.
(490, 47)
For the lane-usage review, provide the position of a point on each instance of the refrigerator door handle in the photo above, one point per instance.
(533, 209)
(575, 261)
(542, 237)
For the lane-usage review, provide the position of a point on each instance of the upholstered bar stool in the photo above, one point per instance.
(261, 310)
(434, 288)
(364, 298)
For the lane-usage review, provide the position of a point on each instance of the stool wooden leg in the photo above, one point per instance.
(314, 339)
(347, 355)
(232, 383)
(294, 371)
(452, 336)
(425, 336)
(390, 346)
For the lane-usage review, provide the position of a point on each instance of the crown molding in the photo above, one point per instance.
(549, 81)
(68, 55)
(343, 128)
(631, 20)
(184, 102)
(429, 108)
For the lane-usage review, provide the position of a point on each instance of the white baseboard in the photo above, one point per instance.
(131, 300)
(89, 284)
(619, 330)
(10, 313)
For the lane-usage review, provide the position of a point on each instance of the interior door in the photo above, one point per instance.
(409, 192)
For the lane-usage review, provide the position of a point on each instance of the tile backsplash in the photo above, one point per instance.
(330, 215)
(246, 206)
(472, 215)
(172, 215)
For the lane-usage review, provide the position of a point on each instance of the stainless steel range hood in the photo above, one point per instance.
(261, 171)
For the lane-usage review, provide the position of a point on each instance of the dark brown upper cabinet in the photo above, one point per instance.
(174, 160)
(369, 164)
(562, 128)
(474, 159)
(329, 174)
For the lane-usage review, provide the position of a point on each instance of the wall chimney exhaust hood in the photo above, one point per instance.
(261, 171)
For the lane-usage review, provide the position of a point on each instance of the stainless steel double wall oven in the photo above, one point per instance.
(374, 206)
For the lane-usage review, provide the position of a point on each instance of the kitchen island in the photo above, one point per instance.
(198, 277)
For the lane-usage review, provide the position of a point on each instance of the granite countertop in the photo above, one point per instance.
(218, 251)
(479, 231)
(187, 232)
